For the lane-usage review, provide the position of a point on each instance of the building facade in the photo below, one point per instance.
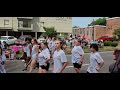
(97, 31)
(17, 26)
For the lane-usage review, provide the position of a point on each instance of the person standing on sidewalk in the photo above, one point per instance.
(96, 61)
(44, 58)
(77, 55)
(59, 58)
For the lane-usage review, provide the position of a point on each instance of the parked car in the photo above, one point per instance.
(21, 39)
(105, 38)
(40, 39)
(61, 37)
(8, 39)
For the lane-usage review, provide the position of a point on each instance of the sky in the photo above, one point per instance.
(82, 21)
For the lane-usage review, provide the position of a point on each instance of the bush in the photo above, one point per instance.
(110, 43)
(107, 43)
(114, 44)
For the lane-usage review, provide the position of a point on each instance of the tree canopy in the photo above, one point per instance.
(49, 31)
(100, 21)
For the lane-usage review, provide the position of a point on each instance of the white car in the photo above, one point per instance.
(8, 39)
(39, 40)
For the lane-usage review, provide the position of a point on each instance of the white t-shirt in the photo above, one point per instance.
(25, 48)
(53, 47)
(50, 45)
(2, 69)
(3, 52)
(95, 58)
(28, 50)
(43, 56)
(77, 51)
(59, 57)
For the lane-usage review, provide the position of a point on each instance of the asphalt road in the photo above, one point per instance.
(16, 66)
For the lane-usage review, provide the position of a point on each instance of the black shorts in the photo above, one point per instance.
(76, 65)
(45, 67)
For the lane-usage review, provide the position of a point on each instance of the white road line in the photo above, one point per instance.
(72, 66)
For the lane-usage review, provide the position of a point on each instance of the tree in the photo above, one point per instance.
(117, 32)
(100, 21)
(49, 31)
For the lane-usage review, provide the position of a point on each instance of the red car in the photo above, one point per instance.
(21, 39)
(105, 38)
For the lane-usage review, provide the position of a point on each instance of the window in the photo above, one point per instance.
(6, 22)
(25, 24)
(20, 23)
(87, 32)
(11, 38)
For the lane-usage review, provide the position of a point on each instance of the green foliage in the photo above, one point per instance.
(110, 43)
(100, 21)
(49, 31)
(114, 44)
(117, 32)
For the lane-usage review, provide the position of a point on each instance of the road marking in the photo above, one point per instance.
(72, 66)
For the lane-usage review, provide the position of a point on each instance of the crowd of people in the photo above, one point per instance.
(39, 56)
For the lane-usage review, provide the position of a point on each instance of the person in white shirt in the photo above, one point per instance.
(28, 51)
(34, 54)
(77, 55)
(96, 61)
(44, 58)
(3, 46)
(59, 58)
(50, 44)
(2, 62)
(53, 47)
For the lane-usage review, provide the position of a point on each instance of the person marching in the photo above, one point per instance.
(96, 61)
(59, 58)
(43, 58)
(77, 55)
(34, 55)
(28, 50)
(4, 47)
(2, 62)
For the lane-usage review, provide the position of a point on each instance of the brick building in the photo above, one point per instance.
(97, 31)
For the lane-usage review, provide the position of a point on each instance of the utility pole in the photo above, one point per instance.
(93, 31)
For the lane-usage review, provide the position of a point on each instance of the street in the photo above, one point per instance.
(16, 66)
